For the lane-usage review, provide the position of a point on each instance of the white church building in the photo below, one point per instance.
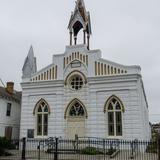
(82, 93)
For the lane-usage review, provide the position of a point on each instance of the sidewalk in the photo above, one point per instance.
(33, 155)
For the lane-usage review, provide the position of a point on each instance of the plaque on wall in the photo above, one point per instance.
(30, 133)
(76, 64)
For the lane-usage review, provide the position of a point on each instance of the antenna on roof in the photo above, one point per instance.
(2, 82)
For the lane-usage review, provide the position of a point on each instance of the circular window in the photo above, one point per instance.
(76, 82)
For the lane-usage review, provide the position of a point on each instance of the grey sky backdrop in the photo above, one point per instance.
(127, 32)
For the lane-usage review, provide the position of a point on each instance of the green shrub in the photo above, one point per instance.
(95, 151)
(4, 145)
(89, 151)
(2, 151)
(152, 148)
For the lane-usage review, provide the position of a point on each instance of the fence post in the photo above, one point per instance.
(76, 137)
(76, 143)
(39, 151)
(158, 146)
(23, 148)
(56, 150)
(132, 150)
(104, 148)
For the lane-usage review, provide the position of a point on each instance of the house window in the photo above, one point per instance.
(8, 112)
(42, 119)
(114, 118)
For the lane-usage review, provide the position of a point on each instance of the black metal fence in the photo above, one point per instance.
(82, 149)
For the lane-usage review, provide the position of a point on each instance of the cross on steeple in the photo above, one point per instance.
(80, 19)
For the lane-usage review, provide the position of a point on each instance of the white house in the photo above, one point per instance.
(10, 109)
(82, 93)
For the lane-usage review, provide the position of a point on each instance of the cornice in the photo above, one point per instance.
(113, 78)
(42, 84)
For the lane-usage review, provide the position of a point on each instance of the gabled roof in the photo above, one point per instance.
(16, 96)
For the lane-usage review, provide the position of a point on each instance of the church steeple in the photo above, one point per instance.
(80, 19)
(30, 65)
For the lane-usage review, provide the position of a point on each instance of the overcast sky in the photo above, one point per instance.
(126, 31)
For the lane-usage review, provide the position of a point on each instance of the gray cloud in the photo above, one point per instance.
(127, 32)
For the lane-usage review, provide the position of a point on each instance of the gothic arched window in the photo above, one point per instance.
(114, 113)
(42, 111)
(76, 110)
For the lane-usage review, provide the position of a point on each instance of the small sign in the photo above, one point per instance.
(76, 64)
(30, 133)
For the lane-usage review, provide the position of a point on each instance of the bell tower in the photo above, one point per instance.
(80, 19)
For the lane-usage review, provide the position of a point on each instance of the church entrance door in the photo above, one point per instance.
(76, 116)
(75, 126)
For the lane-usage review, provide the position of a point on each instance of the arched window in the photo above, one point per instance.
(76, 80)
(114, 113)
(42, 111)
(76, 110)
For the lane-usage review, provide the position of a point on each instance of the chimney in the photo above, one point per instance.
(10, 87)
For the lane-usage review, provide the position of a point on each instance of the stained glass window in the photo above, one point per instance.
(76, 110)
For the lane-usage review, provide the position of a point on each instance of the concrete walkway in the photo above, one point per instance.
(33, 155)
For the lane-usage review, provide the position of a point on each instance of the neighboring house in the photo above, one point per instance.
(82, 93)
(10, 110)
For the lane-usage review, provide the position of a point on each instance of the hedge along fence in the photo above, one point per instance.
(5, 144)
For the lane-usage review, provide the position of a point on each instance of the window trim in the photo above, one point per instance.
(115, 134)
(71, 79)
(42, 114)
(114, 110)
(73, 106)
(38, 103)
(42, 124)
(66, 113)
(108, 101)
(75, 72)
